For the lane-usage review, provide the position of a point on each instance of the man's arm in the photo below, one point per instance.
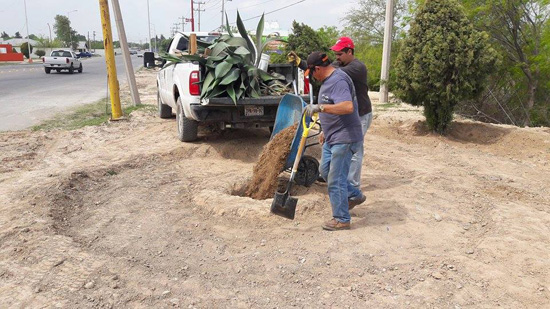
(341, 108)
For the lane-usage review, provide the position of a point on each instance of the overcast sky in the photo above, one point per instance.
(164, 13)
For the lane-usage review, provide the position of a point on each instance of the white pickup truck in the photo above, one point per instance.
(178, 92)
(62, 60)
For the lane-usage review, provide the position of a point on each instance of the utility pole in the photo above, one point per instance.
(69, 26)
(50, 45)
(199, 12)
(110, 60)
(149, 25)
(183, 22)
(126, 53)
(176, 27)
(27, 26)
(193, 18)
(386, 53)
(93, 41)
(223, 11)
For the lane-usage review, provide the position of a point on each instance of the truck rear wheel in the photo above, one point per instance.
(187, 128)
(80, 68)
(47, 70)
(165, 111)
(71, 69)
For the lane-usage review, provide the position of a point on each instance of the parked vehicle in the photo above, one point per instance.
(85, 54)
(62, 60)
(178, 91)
(133, 52)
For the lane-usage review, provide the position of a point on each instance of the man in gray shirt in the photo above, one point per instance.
(342, 135)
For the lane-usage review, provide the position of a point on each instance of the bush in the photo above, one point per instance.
(25, 49)
(40, 53)
(443, 60)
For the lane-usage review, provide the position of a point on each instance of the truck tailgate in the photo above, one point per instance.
(265, 100)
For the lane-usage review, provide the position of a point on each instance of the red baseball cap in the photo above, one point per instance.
(342, 43)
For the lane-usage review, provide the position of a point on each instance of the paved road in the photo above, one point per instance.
(28, 95)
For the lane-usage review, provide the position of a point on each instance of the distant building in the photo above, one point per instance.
(18, 42)
(82, 47)
(7, 54)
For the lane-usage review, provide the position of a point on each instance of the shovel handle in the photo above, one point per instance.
(301, 147)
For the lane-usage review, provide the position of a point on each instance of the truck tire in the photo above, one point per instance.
(80, 68)
(187, 128)
(58, 70)
(165, 111)
(47, 70)
(71, 69)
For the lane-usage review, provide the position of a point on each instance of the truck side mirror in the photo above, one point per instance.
(148, 59)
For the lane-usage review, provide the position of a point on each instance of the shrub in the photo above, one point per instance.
(25, 49)
(40, 53)
(443, 61)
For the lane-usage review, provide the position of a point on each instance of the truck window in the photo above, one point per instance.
(56, 54)
(182, 44)
(67, 54)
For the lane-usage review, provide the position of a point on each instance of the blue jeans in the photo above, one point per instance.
(334, 168)
(357, 159)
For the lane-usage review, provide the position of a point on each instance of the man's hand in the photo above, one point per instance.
(312, 109)
(321, 138)
(292, 57)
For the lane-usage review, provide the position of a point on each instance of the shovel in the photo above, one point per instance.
(283, 204)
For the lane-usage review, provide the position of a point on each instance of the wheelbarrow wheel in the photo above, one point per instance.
(308, 171)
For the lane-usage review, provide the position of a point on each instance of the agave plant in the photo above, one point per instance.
(231, 64)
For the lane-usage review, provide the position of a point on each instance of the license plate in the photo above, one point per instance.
(250, 110)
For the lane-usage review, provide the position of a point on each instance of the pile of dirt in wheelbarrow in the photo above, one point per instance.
(271, 162)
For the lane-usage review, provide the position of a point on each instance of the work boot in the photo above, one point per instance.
(354, 201)
(335, 225)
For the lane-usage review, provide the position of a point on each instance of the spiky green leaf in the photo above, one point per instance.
(232, 76)
(259, 32)
(222, 69)
(244, 34)
(231, 93)
(207, 82)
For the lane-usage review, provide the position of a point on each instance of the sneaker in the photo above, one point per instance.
(354, 201)
(335, 225)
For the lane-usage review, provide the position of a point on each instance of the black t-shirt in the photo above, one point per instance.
(358, 73)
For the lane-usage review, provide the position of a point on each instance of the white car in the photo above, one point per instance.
(62, 60)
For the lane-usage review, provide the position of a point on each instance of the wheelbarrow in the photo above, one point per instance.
(283, 204)
(288, 114)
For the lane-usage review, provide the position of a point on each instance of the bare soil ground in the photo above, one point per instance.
(125, 215)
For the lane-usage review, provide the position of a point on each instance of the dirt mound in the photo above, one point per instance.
(270, 164)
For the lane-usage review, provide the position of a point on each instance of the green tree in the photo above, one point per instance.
(25, 49)
(64, 32)
(18, 35)
(5, 36)
(365, 22)
(517, 30)
(443, 60)
(40, 53)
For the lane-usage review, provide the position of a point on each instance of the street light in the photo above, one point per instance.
(28, 37)
(69, 25)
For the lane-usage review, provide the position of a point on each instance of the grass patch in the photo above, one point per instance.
(386, 106)
(93, 114)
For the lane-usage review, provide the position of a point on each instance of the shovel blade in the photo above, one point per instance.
(284, 205)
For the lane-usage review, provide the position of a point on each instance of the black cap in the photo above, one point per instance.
(317, 59)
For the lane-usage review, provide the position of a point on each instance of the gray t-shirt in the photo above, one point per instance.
(358, 73)
(339, 129)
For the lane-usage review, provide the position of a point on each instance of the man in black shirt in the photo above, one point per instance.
(345, 59)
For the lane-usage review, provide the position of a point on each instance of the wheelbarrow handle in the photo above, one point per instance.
(303, 140)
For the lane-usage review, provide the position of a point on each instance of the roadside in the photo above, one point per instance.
(124, 215)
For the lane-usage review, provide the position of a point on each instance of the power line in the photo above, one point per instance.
(245, 7)
(284, 7)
